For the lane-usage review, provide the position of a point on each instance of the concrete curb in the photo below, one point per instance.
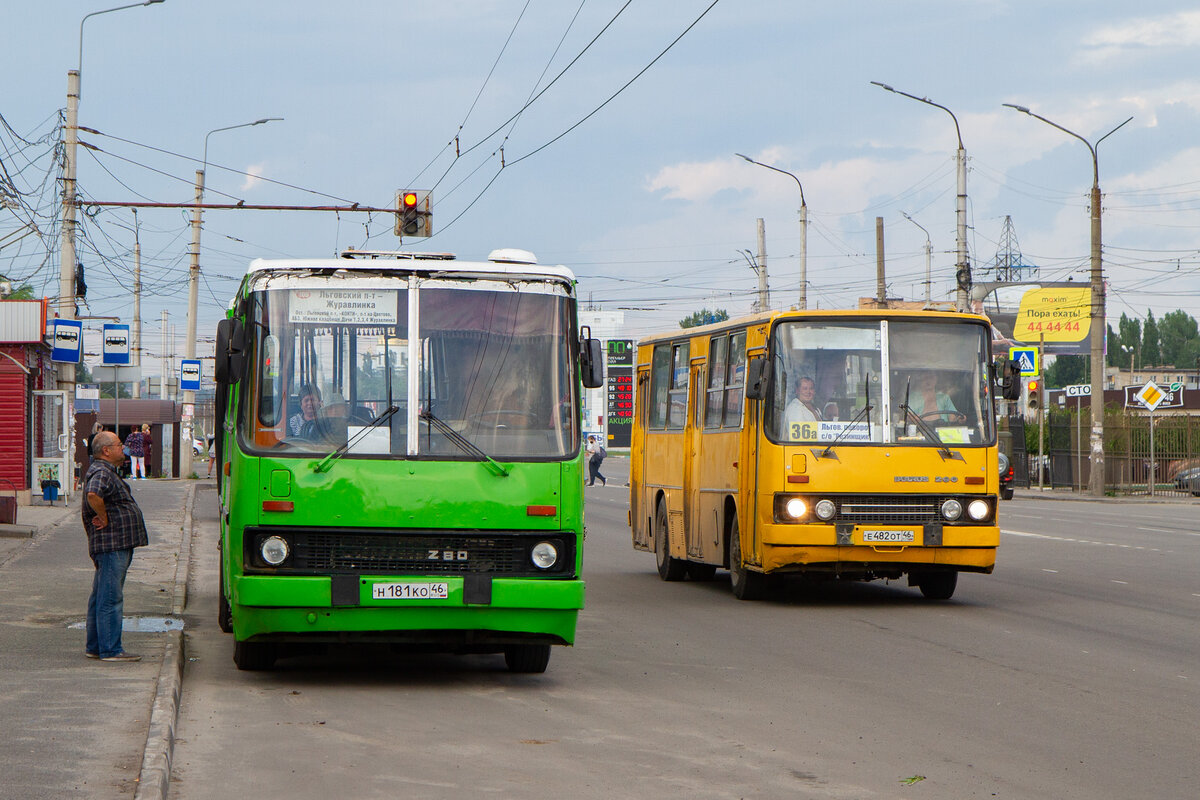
(154, 780)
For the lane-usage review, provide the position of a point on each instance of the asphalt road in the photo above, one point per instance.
(1071, 672)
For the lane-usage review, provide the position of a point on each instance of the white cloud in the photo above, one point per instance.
(253, 176)
(1145, 33)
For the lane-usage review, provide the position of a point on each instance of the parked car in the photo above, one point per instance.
(199, 447)
(1006, 478)
(1188, 480)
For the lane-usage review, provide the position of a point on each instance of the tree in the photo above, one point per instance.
(1115, 353)
(1179, 336)
(1066, 371)
(1131, 338)
(704, 317)
(1151, 347)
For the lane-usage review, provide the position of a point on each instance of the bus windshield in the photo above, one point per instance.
(467, 365)
(879, 382)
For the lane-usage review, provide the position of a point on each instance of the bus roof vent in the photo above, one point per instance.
(509, 255)
(352, 253)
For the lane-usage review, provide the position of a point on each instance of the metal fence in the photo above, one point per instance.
(1129, 467)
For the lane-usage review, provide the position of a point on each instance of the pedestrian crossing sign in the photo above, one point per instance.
(1026, 358)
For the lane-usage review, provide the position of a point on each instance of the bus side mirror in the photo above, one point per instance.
(230, 355)
(1008, 374)
(756, 384)
(591, 362)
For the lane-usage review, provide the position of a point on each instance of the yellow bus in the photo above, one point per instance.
(833, 444)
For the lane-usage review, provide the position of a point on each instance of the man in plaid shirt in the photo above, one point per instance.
(114, 526)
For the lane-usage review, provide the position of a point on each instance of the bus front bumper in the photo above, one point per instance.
(320, 607)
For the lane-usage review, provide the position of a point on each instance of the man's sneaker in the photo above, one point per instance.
(91, 655)
(122, 657)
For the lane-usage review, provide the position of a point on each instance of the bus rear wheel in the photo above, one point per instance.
(527, 657)
(254, 656)
(936, 585)
(746, 585)
(669, 569)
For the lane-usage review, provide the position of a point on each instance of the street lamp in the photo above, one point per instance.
(66, 282)
(1096, 332)
(928, 260)
(189, 396)
(962, 275)
(67, 258)
(803, 229)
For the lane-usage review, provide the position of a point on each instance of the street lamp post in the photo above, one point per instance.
(962, 275)
(1096, 331)
(189, 396)
(67, 258)
(928, 260)
(803, 229)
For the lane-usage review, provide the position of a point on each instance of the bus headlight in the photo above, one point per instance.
(274, 550)
(544, 555)
(951, 509)
(978, 510)
(826, 509)
(795, 508)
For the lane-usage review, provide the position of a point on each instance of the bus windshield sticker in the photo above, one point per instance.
(343, 307)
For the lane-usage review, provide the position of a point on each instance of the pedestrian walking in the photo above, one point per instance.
(596, 455)
(114, 526)
(136, 443)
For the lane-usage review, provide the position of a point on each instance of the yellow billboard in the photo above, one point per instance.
(1055, 314)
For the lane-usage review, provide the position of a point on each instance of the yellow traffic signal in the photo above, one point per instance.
(1033, 397)
(413, 216)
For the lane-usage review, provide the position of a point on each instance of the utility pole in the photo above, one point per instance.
(66, 260)
(764, 295)
(962, 275)
(1097, 330)
(928, 261)
(803, 228)
(880, 283)
(162, 361)
(137, 306)
(189, 397)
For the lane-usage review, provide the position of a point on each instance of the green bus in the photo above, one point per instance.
(399, 455)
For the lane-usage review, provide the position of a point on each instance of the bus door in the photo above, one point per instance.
(691, 466)
(638, 502)
(748, 475)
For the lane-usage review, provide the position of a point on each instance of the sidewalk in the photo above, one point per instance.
(75, 727)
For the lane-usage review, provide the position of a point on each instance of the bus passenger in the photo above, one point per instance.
(803, 407)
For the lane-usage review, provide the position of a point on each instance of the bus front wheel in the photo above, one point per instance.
(936, 585)
(669, 569)
(527, 657)
(746, 585)
(254, 656)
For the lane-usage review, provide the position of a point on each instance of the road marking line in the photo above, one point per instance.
(1080, 541)
(1123, 583)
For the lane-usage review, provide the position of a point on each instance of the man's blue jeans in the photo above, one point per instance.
(107, 603)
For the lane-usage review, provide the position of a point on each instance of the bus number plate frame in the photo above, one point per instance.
(412, 590)
(879, 536)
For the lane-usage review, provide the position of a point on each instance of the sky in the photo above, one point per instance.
(601, 135)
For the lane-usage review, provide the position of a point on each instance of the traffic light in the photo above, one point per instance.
(413, 216)
(1033, 397)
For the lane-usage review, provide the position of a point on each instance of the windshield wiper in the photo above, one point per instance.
(464, 443)
(325, 463)
(865, 412)
(926, 430)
